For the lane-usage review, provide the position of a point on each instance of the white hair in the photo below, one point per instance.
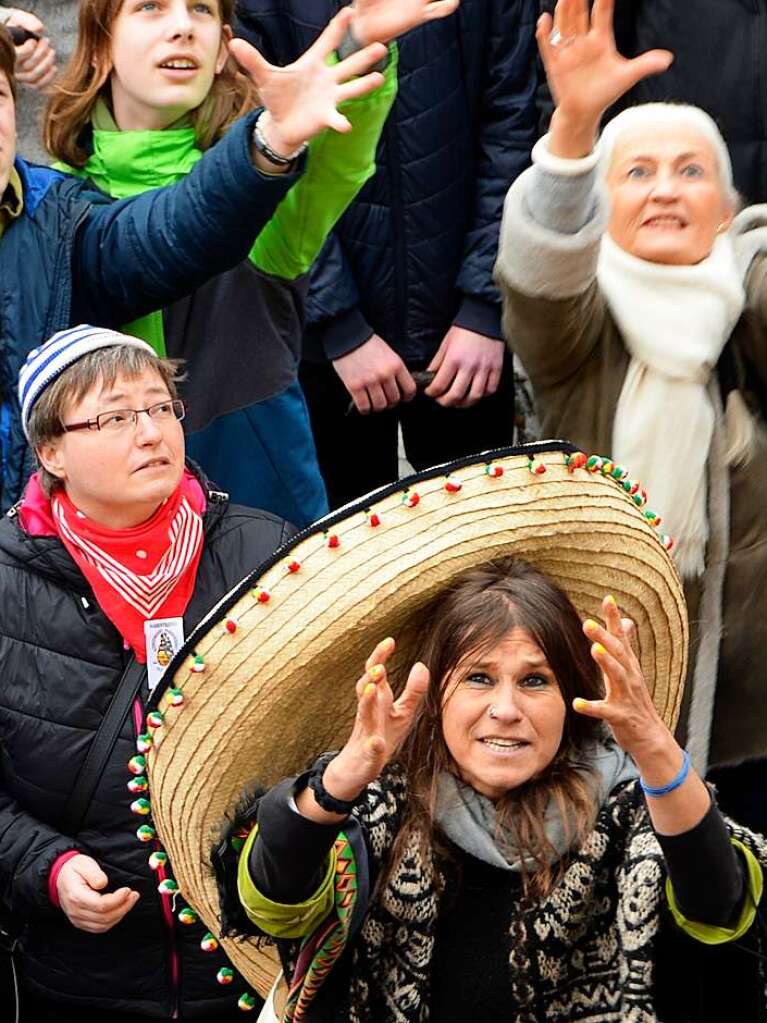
(681, 115)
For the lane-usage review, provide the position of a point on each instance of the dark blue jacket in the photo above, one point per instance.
(75, 257)
(414, 252)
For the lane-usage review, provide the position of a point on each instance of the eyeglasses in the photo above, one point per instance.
(122, 419)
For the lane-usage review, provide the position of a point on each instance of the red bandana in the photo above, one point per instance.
(147, 571)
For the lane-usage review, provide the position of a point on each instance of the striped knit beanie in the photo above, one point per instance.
(46, 363)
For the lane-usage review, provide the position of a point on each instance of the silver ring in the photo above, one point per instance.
(557, 39)
(492, 712)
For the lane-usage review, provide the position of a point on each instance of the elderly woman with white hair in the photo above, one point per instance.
(637, 301)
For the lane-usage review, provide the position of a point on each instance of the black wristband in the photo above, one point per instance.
(323, 797)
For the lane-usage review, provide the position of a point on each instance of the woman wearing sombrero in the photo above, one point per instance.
(509, 829)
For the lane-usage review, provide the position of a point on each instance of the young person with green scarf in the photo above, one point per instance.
(135, 110)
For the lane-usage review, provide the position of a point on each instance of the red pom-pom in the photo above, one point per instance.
(231, 625)
(333, 541)
(294, 566)
(263, 596)
(374, 520)
(452, 486)
(411, 498)
(495, 471)
(576, 461)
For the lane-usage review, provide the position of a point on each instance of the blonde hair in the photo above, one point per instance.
(86, 78)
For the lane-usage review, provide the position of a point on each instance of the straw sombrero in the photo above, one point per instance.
(266, 681)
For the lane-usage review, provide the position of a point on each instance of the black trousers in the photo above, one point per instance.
(359, 453)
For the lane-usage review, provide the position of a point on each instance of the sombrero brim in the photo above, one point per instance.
(268, 677)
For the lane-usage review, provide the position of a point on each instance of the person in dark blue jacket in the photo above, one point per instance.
(69, 255)
(405, 282)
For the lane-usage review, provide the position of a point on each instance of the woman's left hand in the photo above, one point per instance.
(301, 99)
(384, 20)
(627, 706)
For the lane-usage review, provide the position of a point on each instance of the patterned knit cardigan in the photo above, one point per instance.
(583, 954)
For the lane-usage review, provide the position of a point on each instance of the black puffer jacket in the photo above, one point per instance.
(414, 252)
(720, 49)
(60, 661)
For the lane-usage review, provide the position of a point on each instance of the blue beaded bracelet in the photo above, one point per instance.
(663, 790)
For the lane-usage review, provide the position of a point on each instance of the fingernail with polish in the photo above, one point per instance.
(376, 672)
(598, 649)
(590, 625)
(370, 688)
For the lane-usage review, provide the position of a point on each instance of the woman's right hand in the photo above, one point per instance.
(381, 725)
(585, 72)
(301, 98)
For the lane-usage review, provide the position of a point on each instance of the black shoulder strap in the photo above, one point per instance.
(101, 748)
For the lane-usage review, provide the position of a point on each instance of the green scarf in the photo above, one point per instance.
(126, 163)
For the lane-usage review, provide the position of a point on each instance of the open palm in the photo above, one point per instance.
(383, 20)
(585, 72)
(302, 98)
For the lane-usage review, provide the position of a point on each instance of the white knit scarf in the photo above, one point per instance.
(675, 321)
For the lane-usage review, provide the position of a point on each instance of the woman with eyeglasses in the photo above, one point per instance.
(116, 551)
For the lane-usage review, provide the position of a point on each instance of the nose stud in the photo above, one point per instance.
(492, 712)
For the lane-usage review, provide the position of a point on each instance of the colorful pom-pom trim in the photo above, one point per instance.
(144, 742)
(225, 975)
(594, 463)
(536, 466)
(373, 519)
(246, 1002)
(137, 765)
(145, 833)
(154, 719)
(209, 942)
(653, 519)
(410, 498)
(667, 542)
(141, 807)
(167, 887)
(174, 697)
(139, 784)
(452, 485)
(198, 664)
(494, 471)
(261, 595)
(158, 859)
(577, 460)
(230, 625)
(294, 566)
(333, 541)
(187, 916)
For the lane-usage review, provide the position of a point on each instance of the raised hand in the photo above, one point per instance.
(380, 727)
(627, 706)
(585, 72)
(383, 20)
(628, 710)
(302, 98)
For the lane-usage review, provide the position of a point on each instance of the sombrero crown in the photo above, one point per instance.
(266, 682)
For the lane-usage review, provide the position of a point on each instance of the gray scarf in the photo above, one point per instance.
(469, 819)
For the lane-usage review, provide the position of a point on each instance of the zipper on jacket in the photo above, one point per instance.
(165, 900)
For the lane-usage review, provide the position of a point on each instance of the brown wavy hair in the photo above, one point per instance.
(476, 612)
(8, 60)
(86, 78)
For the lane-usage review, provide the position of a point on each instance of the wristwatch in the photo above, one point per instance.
(263, 147)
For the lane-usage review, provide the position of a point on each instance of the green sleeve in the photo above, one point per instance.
(338, 166)
(708, 934)
(275, 918)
